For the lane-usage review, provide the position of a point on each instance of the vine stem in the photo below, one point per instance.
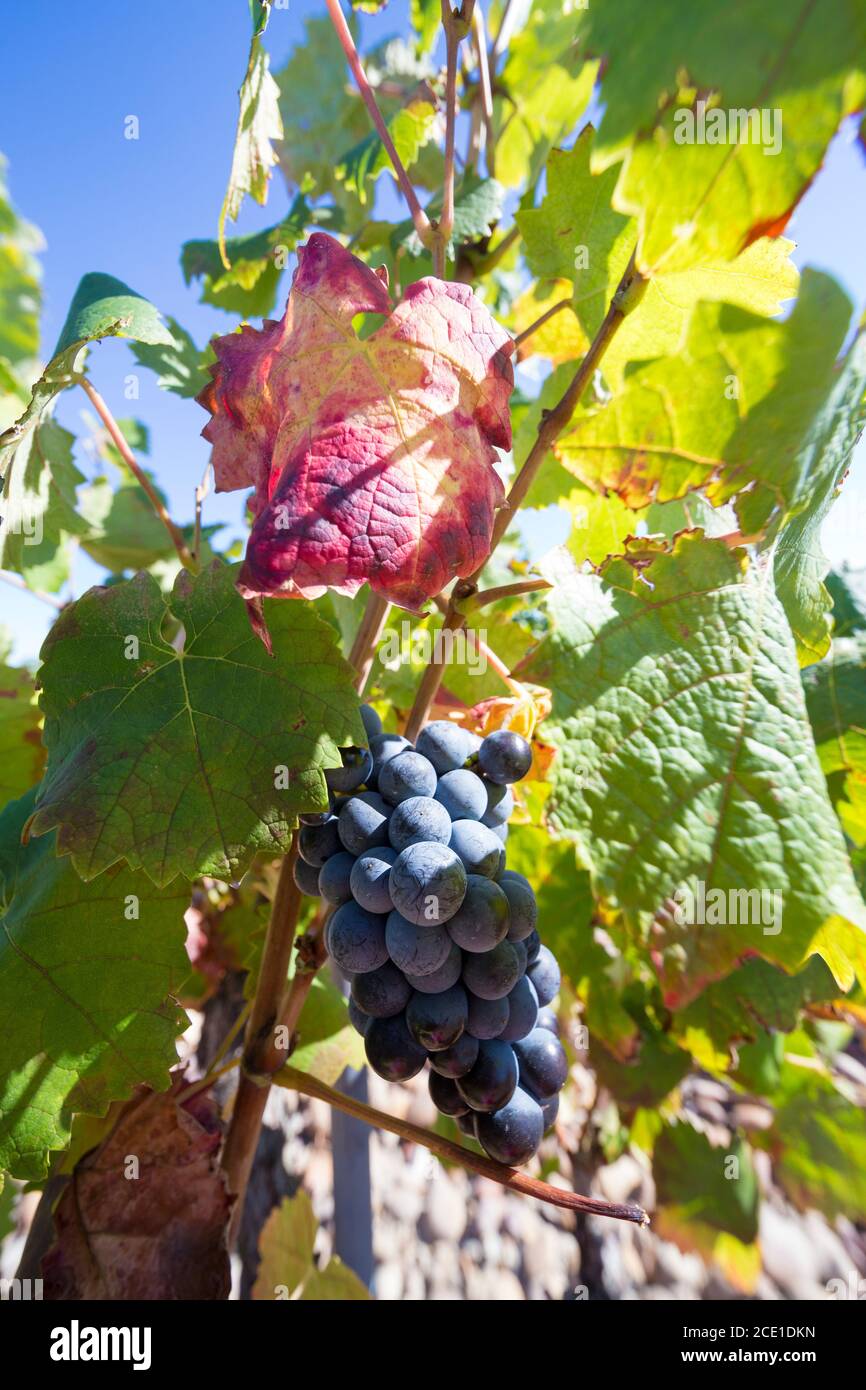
(486, 91)
(183, 551)
(18, 583)
(276, 1008)
(420, 220)
(456, 24)
(511, 1178)
(553, 422)
(541, 321)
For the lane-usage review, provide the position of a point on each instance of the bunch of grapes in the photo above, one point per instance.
(437, 937)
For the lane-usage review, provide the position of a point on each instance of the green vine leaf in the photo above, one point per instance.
(836, 702)
(22, 756)
(799, 563)
(40, 521)
(258, 125)
(685, 758)
(328, 1042)
(821, 1141)
(187, 758)
(181, 367)
(700, 191)
(287, 1269)
(87, 970)
(715, 1187)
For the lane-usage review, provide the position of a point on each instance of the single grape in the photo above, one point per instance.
(501, 833)
(416, 950)
(512, 1134)
(524, 908)
(481, 921)
(445, 1095)
(522, 955)
(356, 939)
(371, 721)
(391, 1050)
(532, 944)
(407, 774)
(306, 878)
(416, 819)
(381, 993)
(547, 1019)
(383, 747)
(493, 974)
(438, 980)
(544, 974)
(357, 767)
(463, 795)
(314, 817)
(500, 804)
(492, 1081)
(466, 1123)
(504, 756)
(358, 1019)
(487, 1017)
(428, 883)
(316, 843)
(550, 1110)
(369, 882)
(457, 1059)
(478, 847)
(522, 1011)
(363, 822)
(518, 878)
(437, 1020)
(334, 878)
(543, 1063)
(446, 745)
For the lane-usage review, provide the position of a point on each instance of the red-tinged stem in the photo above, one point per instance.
(553, 422)
(455, 1153)
(456, 24)
(18, 583)
(183, 551)
(503, 34)
(486, 91)
(419, 217)
(363, 652)
(520, 586)
(541, 321)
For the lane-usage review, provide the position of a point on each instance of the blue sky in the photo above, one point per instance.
(106, 203)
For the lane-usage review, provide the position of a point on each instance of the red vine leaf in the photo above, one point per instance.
(145, 1213)
(372, 459)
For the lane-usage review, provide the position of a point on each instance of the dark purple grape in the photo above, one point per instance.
(446, 745)
(363, 822)
(481, 921)
(407, 774)
(463, 795)
(492, 1081)
(493, 974)
(466, 1123)
(504, 756)
(500, 804)
(544, 974)
(445, 1095)
(458, 1059)
(356, 939)
(371, 721)
(416, 950)
(381, 993)
(487, 1017)
(316, 843)
(306, 877)
(417, 819)
(383, 747)
(501, 833)
(437, 1020)
(391, 1050)
(524, 909)
(543, 1064)
(438, 980)
(359, 1020)
(550, 1110)
(370, 876)
(517, 878)
(522, 1012)
(533, 946)
(428, 882)
(334, 878)
(357, 768)
(547, 1019)
(314, 817)
(514, 1132)
(477, 846)
(522, 954)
